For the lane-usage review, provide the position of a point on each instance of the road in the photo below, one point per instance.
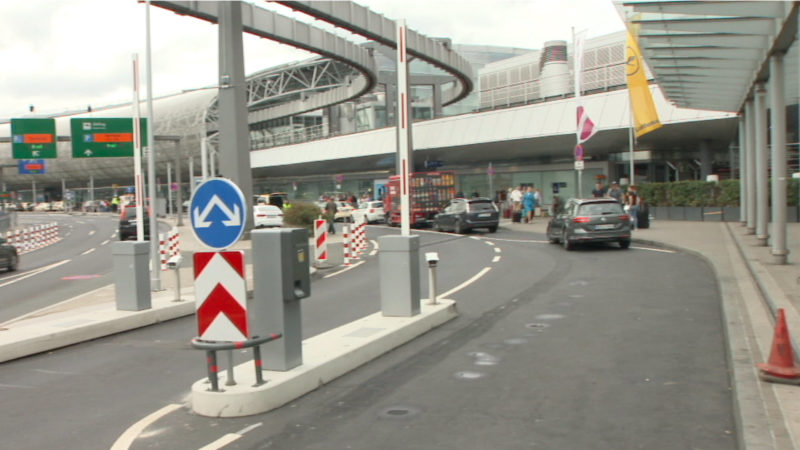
(597, 348)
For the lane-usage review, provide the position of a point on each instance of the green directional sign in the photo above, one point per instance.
(33, 138)
(100, 138)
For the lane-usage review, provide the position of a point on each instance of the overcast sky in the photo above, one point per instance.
(64, 55)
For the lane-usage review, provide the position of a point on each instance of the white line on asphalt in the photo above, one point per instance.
(466, 283)
(87, 251)
(498, 249)
(105, 242)
(15, 386)
(91, 232)
(252, 427)
(519, 240)
(496, 258)
(36, 272)
(655, 249)
(126, 439)
(221, 442)
(345, 269)
(475, 237)
(489, 243)
(374, 249)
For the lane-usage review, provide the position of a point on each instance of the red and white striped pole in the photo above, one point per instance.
(320, 240)
(346, 243)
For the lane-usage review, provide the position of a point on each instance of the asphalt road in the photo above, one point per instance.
(596, 348)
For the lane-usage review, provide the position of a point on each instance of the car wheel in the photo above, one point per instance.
(550, 237)
(493, 229)
(12, 264)
(625, 243)
(565, 242)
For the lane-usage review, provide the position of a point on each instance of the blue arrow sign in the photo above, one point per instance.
(217, 211)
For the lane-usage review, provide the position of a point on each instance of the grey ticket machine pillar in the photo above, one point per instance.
(131, 261)
(280, 280)
(399, 269)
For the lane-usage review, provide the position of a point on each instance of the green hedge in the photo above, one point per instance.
(301, 214)
(703, 193)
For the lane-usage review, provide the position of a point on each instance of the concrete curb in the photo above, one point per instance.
(326, 357)
(29, 337)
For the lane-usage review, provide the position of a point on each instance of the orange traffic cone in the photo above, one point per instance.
(781, 367)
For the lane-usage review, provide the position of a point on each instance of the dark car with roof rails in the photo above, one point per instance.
(590, 220)
(462, 215)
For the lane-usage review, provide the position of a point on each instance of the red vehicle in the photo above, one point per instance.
(428, 192)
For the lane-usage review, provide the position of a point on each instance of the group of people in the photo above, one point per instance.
(631, 200)
(526, 201)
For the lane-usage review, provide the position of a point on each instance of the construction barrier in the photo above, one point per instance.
(34, 237)
(320, 240)
(346, 243)
(169, 245)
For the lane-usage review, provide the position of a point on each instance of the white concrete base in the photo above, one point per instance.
(326, 357)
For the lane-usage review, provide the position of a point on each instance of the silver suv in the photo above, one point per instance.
(590, 220)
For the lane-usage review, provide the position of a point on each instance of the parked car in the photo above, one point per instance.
(344, 212)
(464, 214)
(267, 216)
(8, 256)
(590, 220)
(128, 221)
(371, 212)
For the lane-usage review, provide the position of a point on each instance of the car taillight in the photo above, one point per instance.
(372, 211)
(261, 215)
(625, 218)
(581, 220)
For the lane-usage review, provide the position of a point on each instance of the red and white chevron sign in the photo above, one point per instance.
(220, 296)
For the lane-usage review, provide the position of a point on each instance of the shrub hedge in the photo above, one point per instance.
(704, 193)
(301, 214)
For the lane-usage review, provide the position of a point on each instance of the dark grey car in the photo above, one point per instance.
(590, 220)
(8, 256)
(464, 214)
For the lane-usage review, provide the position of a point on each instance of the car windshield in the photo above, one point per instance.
(377, 205)
(485, 205)
(599, 209)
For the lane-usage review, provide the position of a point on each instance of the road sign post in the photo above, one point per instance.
(217, 211)
(33, 138)
(110, 137)
(221, 296)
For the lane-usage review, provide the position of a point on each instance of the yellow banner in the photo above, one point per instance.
(645, 115)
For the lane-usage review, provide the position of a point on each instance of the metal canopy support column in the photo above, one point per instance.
(778, 140)
(762, 193)
(742, 170)
(750, 135)
(705, 159)
(234, 137)
(179, 192)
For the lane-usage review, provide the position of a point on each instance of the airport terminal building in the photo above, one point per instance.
(518, 118)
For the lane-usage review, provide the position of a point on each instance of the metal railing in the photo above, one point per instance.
(212, 347)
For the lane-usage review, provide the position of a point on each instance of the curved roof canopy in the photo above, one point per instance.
(708, 55)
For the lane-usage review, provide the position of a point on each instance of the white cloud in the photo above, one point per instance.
(68, 54)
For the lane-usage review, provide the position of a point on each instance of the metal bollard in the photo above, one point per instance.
(174, 264)
(230, 381)
(211, 361)
(433, 260)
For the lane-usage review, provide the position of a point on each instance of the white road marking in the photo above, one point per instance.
(489, 243)
(252, 427)
(91, 232)
(344, 270)
(519, 240)
(655, 249)
(496, 258)
(126, 439)
(15, 386)
(105, 242)
(221, 442)
(88, 251)
(475, 237)
(466, 283)
(35, 272)
(498, 249)
(374, 249)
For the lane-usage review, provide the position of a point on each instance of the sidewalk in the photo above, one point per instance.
(751, 289)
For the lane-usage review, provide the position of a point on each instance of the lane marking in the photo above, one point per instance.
(252, 427)
(221, 442)
(91, 232)
(344, 270)
(498, 250)
(496, 258)
(374, 249)
(475, 278)
(471, 237)
(489, 243)
(126, 439)
(520, 240)
(36, 272)
(105, 242)
(655, 250)
(87, 251)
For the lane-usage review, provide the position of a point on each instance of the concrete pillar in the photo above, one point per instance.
(705, 159)
(750, 136)
(234, 137)
(778, 140)
(437, 100)
(742, 170)
(762, 156)
(179, 192)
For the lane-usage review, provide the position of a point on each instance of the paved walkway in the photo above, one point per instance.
(751, 287)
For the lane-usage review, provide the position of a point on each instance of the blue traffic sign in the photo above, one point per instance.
(217, 211)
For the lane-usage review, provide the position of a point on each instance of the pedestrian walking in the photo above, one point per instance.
(633, 201)
(330, 214)
(615, 192)
(529, 203)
